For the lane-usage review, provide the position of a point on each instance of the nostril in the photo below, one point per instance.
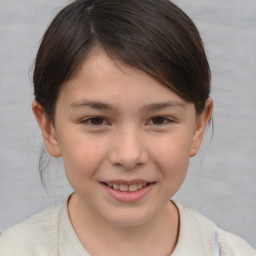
(127, 156)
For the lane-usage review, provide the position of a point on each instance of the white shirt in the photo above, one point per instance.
(50, 233)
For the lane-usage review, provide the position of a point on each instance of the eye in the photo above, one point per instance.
(159, 120)
(95, 121)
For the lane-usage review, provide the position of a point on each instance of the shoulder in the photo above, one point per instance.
(197, 227)
(231, 244)
(36, 236)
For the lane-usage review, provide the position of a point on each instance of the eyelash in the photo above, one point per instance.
(89, 121)
(162, 118)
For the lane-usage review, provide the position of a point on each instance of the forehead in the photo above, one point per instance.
(98, 65)
(101, 78)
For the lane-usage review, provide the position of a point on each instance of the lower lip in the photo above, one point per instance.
(128, 197)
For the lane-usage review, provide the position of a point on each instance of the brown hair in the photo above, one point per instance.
(154, 36)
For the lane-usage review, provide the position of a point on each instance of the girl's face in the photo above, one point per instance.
(118, 129)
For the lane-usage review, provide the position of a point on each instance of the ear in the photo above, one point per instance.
(201, 122)
(47, 129)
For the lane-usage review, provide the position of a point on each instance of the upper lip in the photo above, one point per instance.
(127, 182)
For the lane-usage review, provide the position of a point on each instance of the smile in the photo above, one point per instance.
(127, 188)
(127, 191)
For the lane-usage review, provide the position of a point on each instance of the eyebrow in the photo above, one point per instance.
(91, 104)
(162, 105)
(104, 106)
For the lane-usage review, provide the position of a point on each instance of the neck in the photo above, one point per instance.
(158, 236)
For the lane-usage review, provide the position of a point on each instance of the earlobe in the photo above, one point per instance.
(201, 122)
(47, 129)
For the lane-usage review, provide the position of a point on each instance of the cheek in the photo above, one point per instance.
(173, 147)
(171, 154)
(81, 157)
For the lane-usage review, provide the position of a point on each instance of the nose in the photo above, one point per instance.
(128, 150)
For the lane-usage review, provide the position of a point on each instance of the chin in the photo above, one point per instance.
(129, 218)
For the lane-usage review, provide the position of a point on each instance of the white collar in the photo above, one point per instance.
(197, 235)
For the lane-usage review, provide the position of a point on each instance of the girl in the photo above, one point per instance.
(122, 95)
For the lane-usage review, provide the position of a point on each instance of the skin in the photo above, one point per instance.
(143, 131)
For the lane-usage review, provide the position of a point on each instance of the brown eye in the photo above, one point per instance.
(159, 120)
(95, 121)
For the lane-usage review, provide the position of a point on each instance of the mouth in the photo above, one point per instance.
(127, 192)
(127, 187)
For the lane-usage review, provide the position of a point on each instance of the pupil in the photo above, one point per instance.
(158, 120)
(97, 121)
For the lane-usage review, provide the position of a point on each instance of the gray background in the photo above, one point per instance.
(221, 179)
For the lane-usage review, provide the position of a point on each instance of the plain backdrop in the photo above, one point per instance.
(221, 179)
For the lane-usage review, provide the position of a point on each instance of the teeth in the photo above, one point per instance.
(133, 187)
(124, 187)
(115, 186)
